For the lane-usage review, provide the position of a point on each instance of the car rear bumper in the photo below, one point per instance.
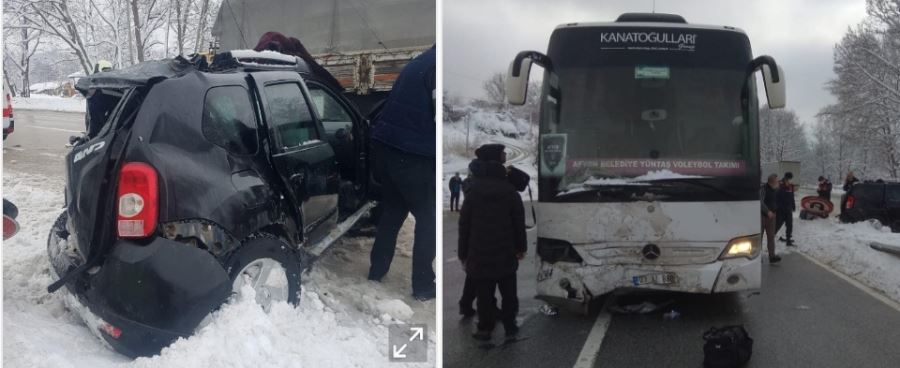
(577, 283)
(144, 297)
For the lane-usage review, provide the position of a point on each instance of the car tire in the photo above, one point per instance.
(262, 251)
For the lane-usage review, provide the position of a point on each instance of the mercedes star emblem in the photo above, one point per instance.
(650, 251)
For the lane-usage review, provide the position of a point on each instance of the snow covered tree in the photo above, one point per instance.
(865, 121)
(781, 136)
(22, 40)
(495, 90)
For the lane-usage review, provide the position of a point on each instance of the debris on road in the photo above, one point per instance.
(671, 315)
(802, 307)
(548, 310)
(729, 346)
(640, 308)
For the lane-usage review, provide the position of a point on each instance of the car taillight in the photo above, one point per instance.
(109, 329)
(850, 201)
(138, 200)
(7, 107)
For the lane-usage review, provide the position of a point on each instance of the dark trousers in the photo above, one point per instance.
(787, 219)
(768, 227)
(468, 295)
(407, 186)
(454, 201)
(484, 289)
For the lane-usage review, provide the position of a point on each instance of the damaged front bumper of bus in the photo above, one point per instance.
(142, 297)
(577, 283)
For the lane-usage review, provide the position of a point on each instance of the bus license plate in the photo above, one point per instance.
(656, 278)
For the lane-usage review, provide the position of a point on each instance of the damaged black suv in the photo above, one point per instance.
(194, 180)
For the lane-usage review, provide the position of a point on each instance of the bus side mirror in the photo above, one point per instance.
(775, 90)
(773, 80)
(517, 81)
(517, 77)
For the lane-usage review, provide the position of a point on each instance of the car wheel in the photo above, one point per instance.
(270, 267)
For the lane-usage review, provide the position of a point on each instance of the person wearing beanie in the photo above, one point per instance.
(492, 240)
(787, 204)
(824, 189)
(491, 152)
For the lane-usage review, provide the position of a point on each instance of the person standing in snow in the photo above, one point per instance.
(455, 188)
(849, 181)
(769, 209)
(786, 204)
(824, 189)
(492, 239)
(403, 138)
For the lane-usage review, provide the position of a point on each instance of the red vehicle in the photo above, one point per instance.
(8, 121)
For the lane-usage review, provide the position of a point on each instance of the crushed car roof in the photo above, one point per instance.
(150, 72)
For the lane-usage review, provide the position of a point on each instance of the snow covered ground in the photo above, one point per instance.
(341, 321)
(484, 127)
(48, 103)
(845, 248)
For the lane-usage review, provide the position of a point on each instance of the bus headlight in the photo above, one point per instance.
(745, 246)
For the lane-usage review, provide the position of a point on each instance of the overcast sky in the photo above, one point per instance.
(482, 36)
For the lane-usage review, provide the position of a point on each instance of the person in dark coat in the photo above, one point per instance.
(824, 189)
(849, 181)
(786, 205)
(455, 188)
(769, 208)
(492, 239)
(403, 138)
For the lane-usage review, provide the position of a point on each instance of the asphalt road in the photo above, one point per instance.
(804, 316)
(38, 144)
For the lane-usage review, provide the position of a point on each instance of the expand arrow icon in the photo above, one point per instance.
(417, 331)
(398, 353)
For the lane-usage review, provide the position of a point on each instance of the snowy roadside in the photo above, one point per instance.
(487, 127)
(49, 103)
(342, 319)
(845, 247)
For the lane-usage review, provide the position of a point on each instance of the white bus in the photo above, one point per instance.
(648, 157)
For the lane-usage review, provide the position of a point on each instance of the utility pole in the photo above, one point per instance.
(467, 134)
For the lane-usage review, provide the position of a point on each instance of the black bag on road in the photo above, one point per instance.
(726, 347)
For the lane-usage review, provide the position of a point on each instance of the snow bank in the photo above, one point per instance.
(49, 103)
(845, 247)
(342, 319)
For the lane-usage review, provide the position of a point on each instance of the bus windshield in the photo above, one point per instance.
(630, 114)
